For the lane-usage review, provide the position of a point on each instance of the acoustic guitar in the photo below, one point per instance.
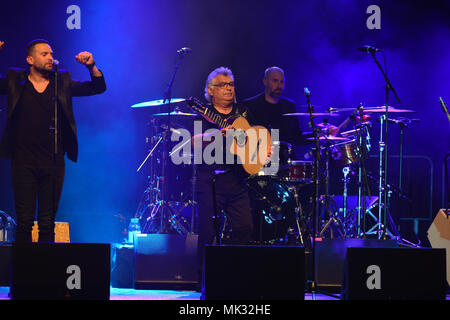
(251, 144)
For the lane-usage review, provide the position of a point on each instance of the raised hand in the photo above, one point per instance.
(2, 44)
(85, 58)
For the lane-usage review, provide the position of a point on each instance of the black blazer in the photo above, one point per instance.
(13, 85)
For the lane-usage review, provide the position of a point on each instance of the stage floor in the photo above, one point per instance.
(132, 294)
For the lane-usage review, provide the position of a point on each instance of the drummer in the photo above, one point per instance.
(267, 109)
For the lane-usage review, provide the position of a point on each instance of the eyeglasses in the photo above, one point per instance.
(224, 84)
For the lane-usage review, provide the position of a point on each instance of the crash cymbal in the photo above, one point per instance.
(175, 113)
(157, 103)
(382, 109)
(305, 114)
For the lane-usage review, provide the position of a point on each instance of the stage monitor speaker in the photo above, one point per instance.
(330, 258)
(166, 261)
(254, 272)
(60, 271)
(439, 235)
(5, 264)
(122, 266)
(394, 274)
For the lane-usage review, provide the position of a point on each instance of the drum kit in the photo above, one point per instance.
(167, 204)
(282, 203)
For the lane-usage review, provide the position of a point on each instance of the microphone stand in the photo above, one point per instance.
(316, 190)
(55, 149)
(168, 98)
(382, 183)
(315, 130)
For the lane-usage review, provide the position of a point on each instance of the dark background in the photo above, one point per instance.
(135, 42)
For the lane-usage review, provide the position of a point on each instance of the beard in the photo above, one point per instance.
(276, 93)
(44, 68)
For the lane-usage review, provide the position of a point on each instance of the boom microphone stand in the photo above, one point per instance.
(165, 136)
(315, 130)
(383, 145)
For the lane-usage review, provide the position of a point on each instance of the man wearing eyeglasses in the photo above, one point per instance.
(228, 180)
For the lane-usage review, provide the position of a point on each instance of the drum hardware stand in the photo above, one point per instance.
(298, 214)
(383, 148)
(392, 235)
(345, 171)
(161, 205)
(332, 216)
(363, 186)
(373, 230)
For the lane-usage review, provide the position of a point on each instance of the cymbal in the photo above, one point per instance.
(305, 114)
(324, 125)
(175, 113)
(382, 109)
(329, 138)
(157, 103)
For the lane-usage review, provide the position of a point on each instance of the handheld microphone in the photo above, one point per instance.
(184, 51)
(369, 49)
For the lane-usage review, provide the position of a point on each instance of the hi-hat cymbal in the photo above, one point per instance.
(305, 114)
(175, 113)
(382, 109)
(157, 103)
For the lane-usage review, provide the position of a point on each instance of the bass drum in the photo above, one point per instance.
(273, 206)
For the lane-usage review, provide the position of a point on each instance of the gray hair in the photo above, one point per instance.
(272, 69)
(221, 70)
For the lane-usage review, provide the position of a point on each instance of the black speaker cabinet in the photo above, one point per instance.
(330, 258)
(394, 274)
(254, 273)
(122, 266)
(166, 261)
(5, 264)
(60, 271)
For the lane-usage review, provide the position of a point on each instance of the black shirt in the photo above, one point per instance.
(33, 136)
(271, 116)
(205, 171)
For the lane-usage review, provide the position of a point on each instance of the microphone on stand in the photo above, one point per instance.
(307, 92)
(55, 64)
(184, 51)
(369, 49)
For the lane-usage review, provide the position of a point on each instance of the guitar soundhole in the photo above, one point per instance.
(241, 138)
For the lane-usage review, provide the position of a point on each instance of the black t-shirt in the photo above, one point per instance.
(33, 123)
(205, 171)
(271, 116)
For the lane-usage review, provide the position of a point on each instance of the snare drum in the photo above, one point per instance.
(301, 171)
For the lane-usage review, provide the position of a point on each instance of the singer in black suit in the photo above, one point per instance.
(39, 133)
